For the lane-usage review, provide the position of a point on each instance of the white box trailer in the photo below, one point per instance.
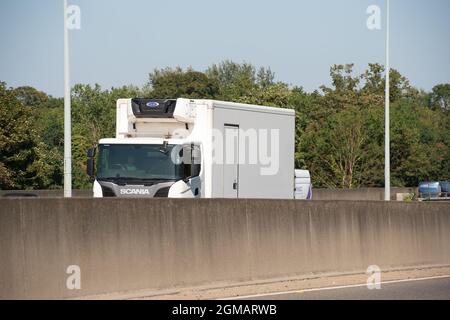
(188, 148)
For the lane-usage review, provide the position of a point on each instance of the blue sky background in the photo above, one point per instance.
(120, 41)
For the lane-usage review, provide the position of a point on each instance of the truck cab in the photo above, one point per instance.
(146, 167)
(151, 155)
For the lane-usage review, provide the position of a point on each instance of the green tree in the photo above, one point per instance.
(440, 96)
(31, 97)
(16, 141)
(418, 144)
(334, 149)
(276, 95)
(175, 83)
(237, 80)
(93, 118)
(339, 130)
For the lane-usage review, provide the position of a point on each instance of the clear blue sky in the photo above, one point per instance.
(120, 41)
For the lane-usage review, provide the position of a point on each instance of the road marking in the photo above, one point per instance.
(329, 288)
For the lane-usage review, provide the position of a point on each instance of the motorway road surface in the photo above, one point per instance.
(437, 288)
(420, 282)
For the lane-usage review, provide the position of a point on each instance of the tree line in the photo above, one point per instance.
(339, 128)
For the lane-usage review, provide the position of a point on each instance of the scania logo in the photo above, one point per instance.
(135, 191)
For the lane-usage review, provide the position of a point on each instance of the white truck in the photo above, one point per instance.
(188, 148)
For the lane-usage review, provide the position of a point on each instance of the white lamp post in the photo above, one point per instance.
(67, 115)
(387, 156)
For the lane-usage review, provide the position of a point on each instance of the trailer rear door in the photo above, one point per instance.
(231, 165)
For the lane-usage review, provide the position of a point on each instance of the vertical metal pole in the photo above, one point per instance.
(67, 116)
(387, 156)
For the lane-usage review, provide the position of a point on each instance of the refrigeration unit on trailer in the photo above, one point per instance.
(187, 148)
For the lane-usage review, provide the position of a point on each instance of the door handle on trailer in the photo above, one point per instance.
(235, 185)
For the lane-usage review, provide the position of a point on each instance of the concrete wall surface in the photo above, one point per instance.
(358, 194)
(47, 193)
(318, 194)
(132, 244)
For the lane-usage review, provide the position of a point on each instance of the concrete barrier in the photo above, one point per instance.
(358, 194)
(48, 193)
(132, 244)
(318, 194)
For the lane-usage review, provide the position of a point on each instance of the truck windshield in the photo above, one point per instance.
(139, 161)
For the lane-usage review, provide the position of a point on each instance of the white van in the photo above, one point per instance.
(303, 185)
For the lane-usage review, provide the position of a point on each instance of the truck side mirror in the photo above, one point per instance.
(196, 160)
(186, 153)
(90, 167)
(91, 152)
(186, 161)
(90, 162)
(191, 161)
(195, 170)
